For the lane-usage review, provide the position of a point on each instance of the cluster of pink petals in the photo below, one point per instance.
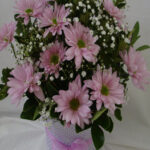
(136, 66)
(56, 50)
(109, 80)
(55, 19)
(113, 10)
(6, 34)
(76, 91)
(30, 8)
(88, 50)
(24, 79)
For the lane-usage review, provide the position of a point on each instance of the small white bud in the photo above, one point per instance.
(103, 33)
(127, 40)
(76, 19)
(80, 4)
(47, 100)
(71, 75)
(52, 78)
(62, 78)
(112, 45)
(43, 49)
(39, 82)
(83, 73)
(41, 44)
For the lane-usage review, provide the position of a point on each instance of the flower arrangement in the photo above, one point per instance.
(74, 59)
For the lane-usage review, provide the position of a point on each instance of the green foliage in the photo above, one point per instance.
(27, 35)
(122, 46)
(98, 114)
(144, 47)
(53, 114)
(3, 91)
(118, 114)
(135, 33)
(5, 75)
(105, 122)
(84, 18)
(79, 129)
(120, 3)
(97, 136)
(3, 87)
(31, 108)
(50, 88)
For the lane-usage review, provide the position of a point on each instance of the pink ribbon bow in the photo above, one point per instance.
(78, 144)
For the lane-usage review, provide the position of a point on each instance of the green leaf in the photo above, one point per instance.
(98, 114)
(84, 18)
(118, 114)
(105, 122)
(97, 136)
(143, 48)
(122, 46)
(3, 91)
(30, 110)
(78, 129)
(20, 40)
(119, 106)
(5, 75)
(54, 114)
(120, 3)
(135, 33)
(111, 125)
(37, 113)
(51, 89)
(134, 40)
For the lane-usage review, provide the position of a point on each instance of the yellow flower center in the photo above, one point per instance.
(5, 39)
(74, 104)
(54, 21)
(81, 44)
(54, 59)
(104, 90)
(29, 11)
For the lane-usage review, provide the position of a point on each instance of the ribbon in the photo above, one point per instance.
(78, 144)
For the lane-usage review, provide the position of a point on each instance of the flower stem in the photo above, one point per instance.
(13, 49)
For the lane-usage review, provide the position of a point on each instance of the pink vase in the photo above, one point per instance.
(66, 136)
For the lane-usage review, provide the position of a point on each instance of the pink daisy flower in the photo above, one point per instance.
(74, 104)
(24, 79)
(82, 44)
(30, 8)
(136, 66)
(6, 34)
(106, 89)
(52, 58)
(55, 19)
(113, 10)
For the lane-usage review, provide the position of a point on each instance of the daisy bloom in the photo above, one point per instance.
(30, 8)
(24, 79)
(55, 19)
(82, 44)
(113, 10)
(136, 67)
(52, 58)
(6, 34)
(74, 104)
(106, 89)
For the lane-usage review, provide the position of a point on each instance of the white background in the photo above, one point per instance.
(133, 133)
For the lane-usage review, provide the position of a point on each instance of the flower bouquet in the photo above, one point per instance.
(74, 58)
